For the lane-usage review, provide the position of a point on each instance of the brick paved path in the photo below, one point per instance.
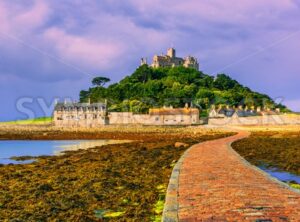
(216, 184)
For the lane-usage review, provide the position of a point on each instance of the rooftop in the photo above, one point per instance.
(71, 105)
(173, 111)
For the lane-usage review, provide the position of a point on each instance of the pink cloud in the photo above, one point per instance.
(34, 17)
(236, 11)
(4, 25)
(107, 42)
(84, 50)
(15, 19)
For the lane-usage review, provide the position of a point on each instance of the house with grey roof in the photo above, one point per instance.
(69, 114)
(229, 112)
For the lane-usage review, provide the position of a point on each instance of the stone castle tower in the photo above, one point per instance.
(170, 60)
(171, 53)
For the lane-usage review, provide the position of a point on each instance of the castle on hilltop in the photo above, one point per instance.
(170, 60)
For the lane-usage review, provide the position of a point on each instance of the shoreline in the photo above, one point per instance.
(273, 149)
(45, 132)
(117, 182)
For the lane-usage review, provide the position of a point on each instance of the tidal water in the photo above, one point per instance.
(19, 148)
(281, 175)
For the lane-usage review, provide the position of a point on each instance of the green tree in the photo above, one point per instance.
(204, 97)
(206, 81)
(100, 81)
(98, 94)
(137, 106)
(83, 96)
(224, 82)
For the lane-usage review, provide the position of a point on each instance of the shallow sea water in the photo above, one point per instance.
(10, 148)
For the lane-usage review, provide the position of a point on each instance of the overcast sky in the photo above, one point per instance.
(54, 48)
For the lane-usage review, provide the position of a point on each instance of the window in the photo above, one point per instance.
(156, 118)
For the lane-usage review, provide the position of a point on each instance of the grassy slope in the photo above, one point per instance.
(41, 120)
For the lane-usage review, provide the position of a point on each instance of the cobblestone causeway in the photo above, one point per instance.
(213, 183)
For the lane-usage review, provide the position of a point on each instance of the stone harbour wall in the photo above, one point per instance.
(257, 120)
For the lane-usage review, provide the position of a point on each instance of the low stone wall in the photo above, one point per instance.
(257, 120)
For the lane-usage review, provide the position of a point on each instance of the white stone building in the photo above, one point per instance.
(80, 114)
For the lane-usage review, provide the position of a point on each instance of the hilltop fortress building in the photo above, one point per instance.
(170, 60)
